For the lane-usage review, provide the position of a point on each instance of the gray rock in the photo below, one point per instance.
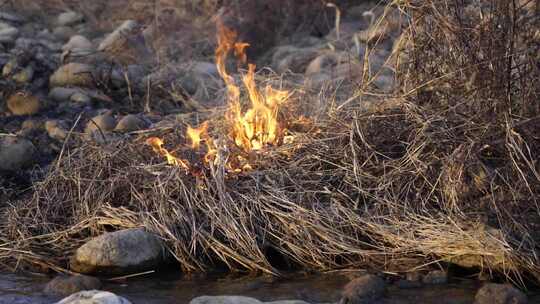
(63, 32)
(61, 94)
(435, 277)
(11, 17)
(365, 289)
(73, 74)
(69, 18)
(8, 33)
(94, 297)
(499, 294)
(130, 123)
(225, 300)
(120, 252)
(78, 44)
(16, 153)
(67, 285)
(296, 61)
(81, 98)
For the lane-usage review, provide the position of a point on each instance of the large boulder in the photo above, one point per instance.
(94, 297)
(67, 285)
(499, 294)
(16, 153)
(121, 252)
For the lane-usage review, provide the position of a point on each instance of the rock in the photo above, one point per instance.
(73, 74)
(130, 123)
(94, 297)
(81, 98)
(294, 60)
(24, 76)
(69, 18)
(78, 44)
(30, 127)
(365, 289)
(67, 285)
(61, 94)
(499, 294)
(56, 129)
(101, 123)
(126, 44)
(23, 104)
(8, 33)
(224, 300)
(16, 153)
(288, 302)
(435, 277)
(63, 33)
(120, 252)
(11, 17)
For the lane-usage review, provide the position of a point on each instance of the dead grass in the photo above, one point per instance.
(451, 174)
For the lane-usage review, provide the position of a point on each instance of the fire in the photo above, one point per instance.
(157, 146)
(249, 130)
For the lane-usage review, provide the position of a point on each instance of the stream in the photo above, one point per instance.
(175, 288)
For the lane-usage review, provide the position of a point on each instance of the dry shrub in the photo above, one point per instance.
(451, 174)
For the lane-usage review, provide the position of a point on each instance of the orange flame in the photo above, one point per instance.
(251, 130)
(157, 146)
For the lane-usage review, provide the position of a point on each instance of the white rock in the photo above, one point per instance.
(69, 18)
(94, 297)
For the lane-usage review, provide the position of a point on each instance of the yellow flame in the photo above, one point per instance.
(157, 145)
(195, 135)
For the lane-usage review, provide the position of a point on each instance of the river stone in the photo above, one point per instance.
(16, 153)
(63, 32)
(23, 104)
(499, 294)
(130, 123)
(56, 129)
(104, 123)
(117, 253)
(224, 300)
(61, 94)
(8, 33)
(78, 44)
(363, 290)
(67, 285)
(73, 74)
(69, 18)
(94, 297)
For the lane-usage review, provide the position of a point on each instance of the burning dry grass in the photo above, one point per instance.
(444, 178)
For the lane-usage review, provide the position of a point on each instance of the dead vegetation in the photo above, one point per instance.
(451, 174)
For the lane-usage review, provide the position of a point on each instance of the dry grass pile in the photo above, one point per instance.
(451, 174)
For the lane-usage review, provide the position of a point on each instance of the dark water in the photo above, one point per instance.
(173, 288)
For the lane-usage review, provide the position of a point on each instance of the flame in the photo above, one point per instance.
(195, 135)
(250, 130)
(157, 145)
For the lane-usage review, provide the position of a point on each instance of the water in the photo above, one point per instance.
(174, 288)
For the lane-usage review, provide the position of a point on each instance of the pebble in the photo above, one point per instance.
(8, 33)
(56, 129)
(94, 297)
(499, 294)
(69, 18)
(73, 74)
(130, 123)
(24, 76)
(61, 94)
(23, 104)
(365, 289)
(16, 153)
(67, 285)
(104, 123)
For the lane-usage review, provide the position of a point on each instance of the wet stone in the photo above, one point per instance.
(67, 285)
(435, 277)
(365, 289)
(499, 294)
